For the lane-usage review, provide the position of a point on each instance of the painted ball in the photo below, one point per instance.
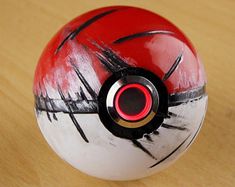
(119, 93)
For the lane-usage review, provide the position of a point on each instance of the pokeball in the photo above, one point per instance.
(120, 93)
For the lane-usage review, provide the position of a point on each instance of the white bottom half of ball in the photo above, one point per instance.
(109, 157)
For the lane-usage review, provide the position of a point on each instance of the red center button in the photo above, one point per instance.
(133, 102)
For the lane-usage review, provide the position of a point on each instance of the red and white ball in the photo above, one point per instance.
(120, 93)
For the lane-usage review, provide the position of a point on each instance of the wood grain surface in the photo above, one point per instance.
(26, 159)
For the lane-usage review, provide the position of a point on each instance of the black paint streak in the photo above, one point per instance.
(63, 42)
(52, 105)
(173, 67)
(110, 59)
(74, 33)
(78, 96)
(77, 106)
(163, 115)
(140, 146)
(45, 103)
(173, 127)
(71, 115)
(92, 20)
(54, 116)
(37, 103)
(50, 101)
(140, 34)
(155, 132)
(114, 59)
(46, 106)
(168, 115)
(172, 114)
(170, 153)
(184, 97)
(109, 66)
(148, 137)
(194, 136)
(83, 96)
(83, 80)
(71, 103)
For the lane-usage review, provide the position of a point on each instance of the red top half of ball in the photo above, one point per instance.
(138, 37)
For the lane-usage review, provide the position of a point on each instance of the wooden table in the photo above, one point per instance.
(25, 157)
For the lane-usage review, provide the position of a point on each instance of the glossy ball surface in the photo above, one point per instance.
(119, 93)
